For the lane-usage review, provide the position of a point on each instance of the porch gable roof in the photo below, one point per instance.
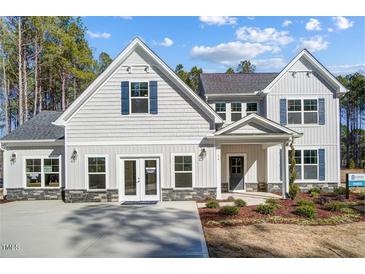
(254, 124)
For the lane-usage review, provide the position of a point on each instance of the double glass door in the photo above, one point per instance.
(140, 179)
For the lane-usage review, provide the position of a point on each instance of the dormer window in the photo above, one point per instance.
(236, 111)
(220, 108)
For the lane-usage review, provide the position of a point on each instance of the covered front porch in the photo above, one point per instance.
(242, 162)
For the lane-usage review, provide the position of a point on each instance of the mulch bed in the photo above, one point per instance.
(248, 214)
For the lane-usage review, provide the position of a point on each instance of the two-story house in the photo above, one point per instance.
(138, 133)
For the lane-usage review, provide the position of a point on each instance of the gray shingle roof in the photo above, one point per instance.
(220, 83)
(38, 128)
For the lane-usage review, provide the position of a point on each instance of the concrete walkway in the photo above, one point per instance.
(251, 198)
(56, 229)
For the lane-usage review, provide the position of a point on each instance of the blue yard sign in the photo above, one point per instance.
(356, 179)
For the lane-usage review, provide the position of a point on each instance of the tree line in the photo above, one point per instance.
(46, 62)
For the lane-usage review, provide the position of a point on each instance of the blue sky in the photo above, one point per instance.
(215, 43)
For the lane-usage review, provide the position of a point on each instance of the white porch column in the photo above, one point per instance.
(218, 168)
(284, 169)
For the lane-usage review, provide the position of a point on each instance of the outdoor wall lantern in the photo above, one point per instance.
(74, 155)
(13, 158)
(202, 154)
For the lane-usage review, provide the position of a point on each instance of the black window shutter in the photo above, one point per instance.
(125, 97)
(283, 112)
(153, 97)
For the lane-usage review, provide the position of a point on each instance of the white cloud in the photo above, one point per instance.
(250, 17)
(286, 23)
(342, 22)
(315, 43)
(271, 63)
(330, 29)
(218, 20)
(267, 35)
(347, 69)
(167, 42)
(230, 53)
(103, 35)
(313, 24)
(126, 17)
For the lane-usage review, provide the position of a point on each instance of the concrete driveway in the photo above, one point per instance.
(56, 229)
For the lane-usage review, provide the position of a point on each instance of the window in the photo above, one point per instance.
(236, 111)
(236, 165)
(96, 172)
(183, 171)
(251, 108)
(220, 108)
(139, 97)
(33, 170)
(310, 164)
(294, 111)
(310, 111)
(42, 172)
(298, 163)
(51, 172)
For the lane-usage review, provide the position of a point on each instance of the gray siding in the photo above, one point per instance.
(100, 119)
(326, 136)
(204, 172)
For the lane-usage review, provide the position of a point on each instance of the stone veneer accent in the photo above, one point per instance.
(83, 195)
(304, 187)
(170, 194)
(28, 194)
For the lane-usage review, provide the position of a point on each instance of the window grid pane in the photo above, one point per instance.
(251, 107)
(294, 105)
(310, 105)
(220, 107)
(96, 165)
(236, 107)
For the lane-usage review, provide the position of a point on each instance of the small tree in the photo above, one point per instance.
(293, 188)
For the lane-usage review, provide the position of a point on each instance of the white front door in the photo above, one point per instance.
(139, 179)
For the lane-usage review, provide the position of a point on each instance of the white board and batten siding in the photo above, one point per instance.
(178, 127)
(14, 172)
(305, 85)
(100, 118)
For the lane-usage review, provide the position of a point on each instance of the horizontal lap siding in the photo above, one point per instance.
(255, 162)
(100, 118)
(203, 169)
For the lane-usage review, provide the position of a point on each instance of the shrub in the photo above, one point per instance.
(212, 204)
(315, 195)
(305, 203)
(340, 190)
(323, 200)
(361, 195)
(294, 189)
(229, 210)
(313, 190)
(305, 211)
(334, 206)
(240, 203)
(266, 209)
(273, 202)
(347, 210)
(352, 164)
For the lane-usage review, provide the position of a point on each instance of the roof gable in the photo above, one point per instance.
(102, 78)
(255, 124)
(307, 56)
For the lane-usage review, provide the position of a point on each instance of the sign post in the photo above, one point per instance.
(354, 180)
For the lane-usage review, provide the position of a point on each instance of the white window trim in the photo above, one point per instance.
(173, 170)
(148, 113)
(302, 180)
(42, 172)
(86, 173)
(235, 111)
(257, 108)
(225, 112)
(302, 111)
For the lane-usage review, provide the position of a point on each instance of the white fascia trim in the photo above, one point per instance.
(116, 143)
(315, 62)
(62, 120)
(264, 121)
(251, 137)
